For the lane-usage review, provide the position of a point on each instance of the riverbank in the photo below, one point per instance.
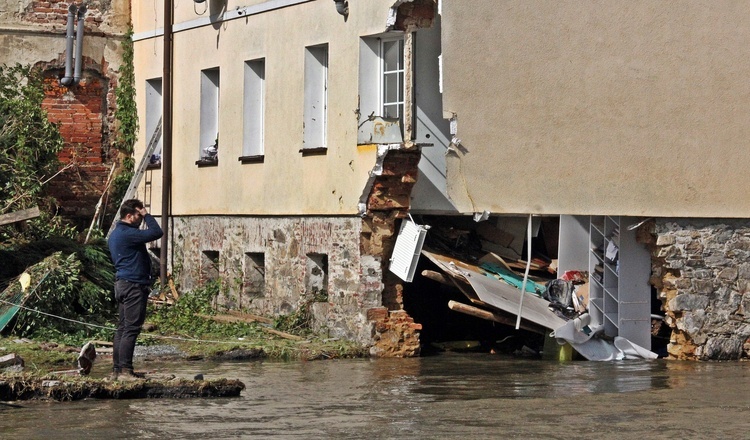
(51, 371)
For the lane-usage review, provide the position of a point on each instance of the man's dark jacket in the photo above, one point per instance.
(127, 244)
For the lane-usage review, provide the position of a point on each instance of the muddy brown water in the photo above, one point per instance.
(473, 396)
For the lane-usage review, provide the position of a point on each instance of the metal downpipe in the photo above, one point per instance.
(166, 164)
(79, 44)
(67, 80)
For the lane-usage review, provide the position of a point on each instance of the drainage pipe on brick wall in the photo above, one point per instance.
(79, 44)
(67, 80)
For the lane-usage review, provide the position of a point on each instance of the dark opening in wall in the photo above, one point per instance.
(209, 266)
(254, 277)
(316, 277)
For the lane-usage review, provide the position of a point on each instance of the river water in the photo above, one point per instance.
(473, 396)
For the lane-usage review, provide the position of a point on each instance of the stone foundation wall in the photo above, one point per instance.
(702, 271)
(230, 248)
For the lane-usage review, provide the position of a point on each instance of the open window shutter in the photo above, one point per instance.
(408, 247)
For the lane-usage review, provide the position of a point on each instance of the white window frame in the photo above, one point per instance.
(254, 107)
(209, 109)
(316, 97)
(154, 111)
(399, 73)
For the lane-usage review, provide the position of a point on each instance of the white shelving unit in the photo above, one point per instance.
(619, 268)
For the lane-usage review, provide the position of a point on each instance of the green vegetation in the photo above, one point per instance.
(126, 117)
(29, 144)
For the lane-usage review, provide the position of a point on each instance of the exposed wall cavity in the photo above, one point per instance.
(702, 271)
(406, 14)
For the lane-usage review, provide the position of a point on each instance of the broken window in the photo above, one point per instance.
(209, 117)
(253, 105)
(316, 277)
(254, 279)
(316, 95)
(153, 116)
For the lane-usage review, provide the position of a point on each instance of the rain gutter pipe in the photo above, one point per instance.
(79, 44)
(166, 164)
(67, 80)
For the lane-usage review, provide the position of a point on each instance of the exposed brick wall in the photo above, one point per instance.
(388, 203)
(81, 112)
(396, 333)
(55, 12)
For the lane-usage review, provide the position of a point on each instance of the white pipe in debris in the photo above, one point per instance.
(526, 273)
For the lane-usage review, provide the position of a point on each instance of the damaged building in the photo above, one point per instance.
(518, 139)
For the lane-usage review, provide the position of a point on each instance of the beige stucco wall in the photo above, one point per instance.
(286, 183)
(637, 107)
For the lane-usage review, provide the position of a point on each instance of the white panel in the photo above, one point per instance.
(209, 108)
(316, 77)
(255, 74)
(408, 247)
(153, 109)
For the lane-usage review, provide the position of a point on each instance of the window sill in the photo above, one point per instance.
(319, 151)
(251, 159)
(206, 163)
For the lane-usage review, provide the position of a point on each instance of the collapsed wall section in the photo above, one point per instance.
(396, 334)
(701, 268)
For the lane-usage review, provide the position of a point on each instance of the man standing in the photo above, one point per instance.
(127, 245)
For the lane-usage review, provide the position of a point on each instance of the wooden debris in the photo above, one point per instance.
(250, 317)
(490, 316)
(437, 276)
(282, 334)
(233, 318)
(18, 216)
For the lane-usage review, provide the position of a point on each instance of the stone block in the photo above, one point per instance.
(665, 240)
(687, 302)
(377, 314)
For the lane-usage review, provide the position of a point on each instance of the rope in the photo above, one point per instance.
(153, 335)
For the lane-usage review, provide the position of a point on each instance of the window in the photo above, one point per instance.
(209, 123)
(153, 116)
(253, 103)
(316, 85)
(392, 79)
(254, 279)
(209, 266)
(381, 89)
(316, 277)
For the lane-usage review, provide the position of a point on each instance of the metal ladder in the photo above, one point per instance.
(138, 175)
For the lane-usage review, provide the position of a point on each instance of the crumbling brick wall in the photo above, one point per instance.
(81, 113)
(85, 111)
(702, 271)
(387, 204)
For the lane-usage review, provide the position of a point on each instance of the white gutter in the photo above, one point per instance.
(234, 14)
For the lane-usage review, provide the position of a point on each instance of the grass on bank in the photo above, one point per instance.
(199, 338)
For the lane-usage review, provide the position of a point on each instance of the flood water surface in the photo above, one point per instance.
(445, 396)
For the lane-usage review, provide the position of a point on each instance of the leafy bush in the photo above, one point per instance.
(29, 144)
(70, 290)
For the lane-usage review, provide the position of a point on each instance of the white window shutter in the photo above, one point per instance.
(408, 247)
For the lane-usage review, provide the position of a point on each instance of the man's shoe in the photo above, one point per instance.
(128, 376)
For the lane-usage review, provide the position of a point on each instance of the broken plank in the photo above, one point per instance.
(282, 334)
(250, 317)
(437, 276)
(490, 316)
(18, 216)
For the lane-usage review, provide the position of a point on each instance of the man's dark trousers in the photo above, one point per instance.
(131, 304)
